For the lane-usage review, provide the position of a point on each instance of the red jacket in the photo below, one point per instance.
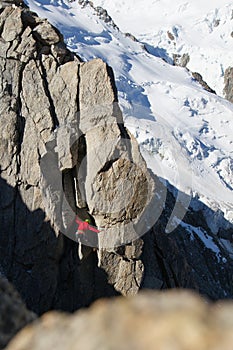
(84, 226)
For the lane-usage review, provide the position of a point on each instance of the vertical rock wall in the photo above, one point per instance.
(64, 152)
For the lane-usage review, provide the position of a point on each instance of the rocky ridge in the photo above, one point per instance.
(66, 152)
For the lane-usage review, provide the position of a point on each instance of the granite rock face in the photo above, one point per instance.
(153, 320)
(64, 152)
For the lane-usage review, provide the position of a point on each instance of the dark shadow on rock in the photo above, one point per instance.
(13, 314)
(191, 256)
(46, 270)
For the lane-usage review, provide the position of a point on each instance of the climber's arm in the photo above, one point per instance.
(93, 229)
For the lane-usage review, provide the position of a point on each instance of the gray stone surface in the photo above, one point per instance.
(45, 269)
(65, 151)
(46, 33)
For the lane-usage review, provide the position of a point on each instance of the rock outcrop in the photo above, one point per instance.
(99, 11)
(13, 313)
(168, 320)
(64, 152)
(181, 60)
(198, 77)
(228, 81)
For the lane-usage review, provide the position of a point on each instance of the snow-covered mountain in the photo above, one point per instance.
(185, 132)
(201, 29)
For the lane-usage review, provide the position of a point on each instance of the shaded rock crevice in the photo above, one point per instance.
(47, 92)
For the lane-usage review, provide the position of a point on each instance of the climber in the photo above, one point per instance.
(84, 226)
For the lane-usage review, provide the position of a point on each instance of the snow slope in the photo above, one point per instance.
(185, 133)
(200, 28)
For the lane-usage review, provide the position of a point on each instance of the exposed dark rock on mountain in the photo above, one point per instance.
(99, 11)
(65, 152)
(228, 80)
(197, 76)
(181, 258)
(152, 320)
(5, 3)
(181, 60)
(13, 313)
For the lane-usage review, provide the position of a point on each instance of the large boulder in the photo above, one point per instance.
(167, 320)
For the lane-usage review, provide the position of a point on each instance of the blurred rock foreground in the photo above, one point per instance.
(170, 320)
